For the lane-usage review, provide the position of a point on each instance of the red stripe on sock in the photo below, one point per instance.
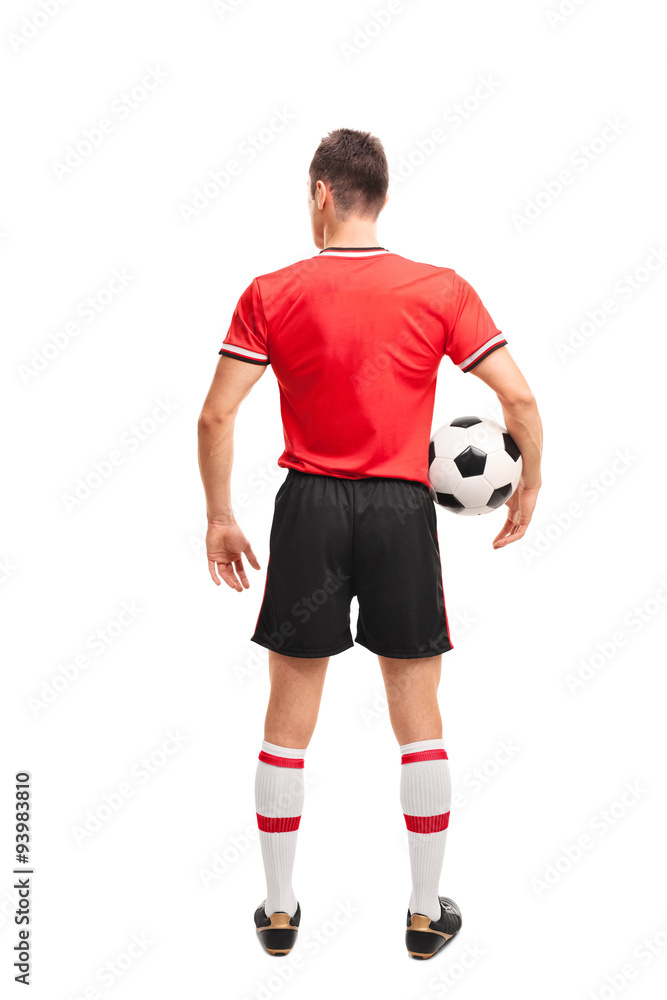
(269, 758)
(412, 758)
(278, 824)
(427, 824)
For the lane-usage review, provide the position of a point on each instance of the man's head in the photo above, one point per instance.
(348, 180)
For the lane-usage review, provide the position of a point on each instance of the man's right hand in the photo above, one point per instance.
(225, 546)
(520, 506)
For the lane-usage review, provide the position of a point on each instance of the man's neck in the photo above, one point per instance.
(351, 234)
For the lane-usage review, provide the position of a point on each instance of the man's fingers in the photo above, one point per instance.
(505, 537)
(222, 569)
(252, 558)
(227, 574)
(506, 528)
(514, 536)
(240, 569)
(505, 534)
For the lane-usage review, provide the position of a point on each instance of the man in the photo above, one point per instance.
(355, 335)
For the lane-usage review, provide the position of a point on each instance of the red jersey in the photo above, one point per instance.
(355, 337)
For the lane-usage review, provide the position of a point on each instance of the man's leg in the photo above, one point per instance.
(425, 789)
(294, 702)
(296, 691)
(412, 697)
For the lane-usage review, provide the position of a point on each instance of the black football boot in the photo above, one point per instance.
(277, 933)
(424, 937)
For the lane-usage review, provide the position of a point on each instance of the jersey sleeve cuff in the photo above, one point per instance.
(482, 352)
(243, 354)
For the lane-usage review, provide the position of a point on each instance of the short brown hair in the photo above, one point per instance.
(354, 165)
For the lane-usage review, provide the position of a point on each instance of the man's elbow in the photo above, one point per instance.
(519, 399)
(214, 418)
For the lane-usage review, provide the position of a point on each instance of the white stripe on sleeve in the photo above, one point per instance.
(245, 352)
(494, 340)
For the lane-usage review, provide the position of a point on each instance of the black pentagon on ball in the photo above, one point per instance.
(510, 446)
(431, 453)
(471, 462)
(499, 496)
(465, 421)
(448, 500)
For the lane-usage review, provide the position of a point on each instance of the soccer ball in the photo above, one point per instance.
(474, 465)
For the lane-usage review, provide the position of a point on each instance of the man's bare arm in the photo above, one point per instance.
(501, 373)
(225, 542)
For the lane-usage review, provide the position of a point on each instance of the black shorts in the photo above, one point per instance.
(332, 538)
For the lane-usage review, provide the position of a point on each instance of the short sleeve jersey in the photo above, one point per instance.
(355, 337)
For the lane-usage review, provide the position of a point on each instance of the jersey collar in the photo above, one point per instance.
(353, 251)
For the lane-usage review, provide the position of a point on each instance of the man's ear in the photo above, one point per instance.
(321, 195)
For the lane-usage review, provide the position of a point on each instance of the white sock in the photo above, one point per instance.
(279, 802)
(426, 793)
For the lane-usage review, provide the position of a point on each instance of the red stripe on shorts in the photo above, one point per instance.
(427, 824)
(278, 824)
(269, 758)
(413, 758)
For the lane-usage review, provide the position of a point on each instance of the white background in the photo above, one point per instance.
(525, 619)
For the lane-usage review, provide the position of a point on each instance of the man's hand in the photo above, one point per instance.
(225, 546)
(520, 506)
(500, 372)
